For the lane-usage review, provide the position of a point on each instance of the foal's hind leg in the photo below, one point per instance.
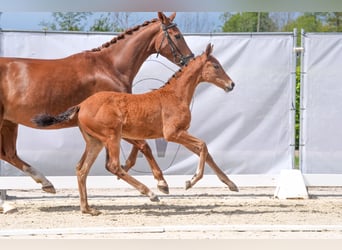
(146, 150)
(113, 166)
(93, 148)
(8, 152)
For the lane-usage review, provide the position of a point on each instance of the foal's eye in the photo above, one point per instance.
(216, 66)
(178, 36)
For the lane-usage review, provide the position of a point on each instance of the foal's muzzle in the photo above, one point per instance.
(230, 88)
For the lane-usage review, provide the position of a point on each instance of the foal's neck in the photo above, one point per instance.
(184, 83)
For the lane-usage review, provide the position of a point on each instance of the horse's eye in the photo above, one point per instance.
(178, 36)
(216, 66)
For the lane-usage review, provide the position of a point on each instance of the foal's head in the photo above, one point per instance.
(213, 71)
(170, 41)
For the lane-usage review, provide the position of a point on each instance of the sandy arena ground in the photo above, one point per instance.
(198, 213)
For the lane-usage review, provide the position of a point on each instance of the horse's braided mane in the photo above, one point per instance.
(122, 35)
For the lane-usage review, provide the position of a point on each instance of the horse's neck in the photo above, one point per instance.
(129, 53)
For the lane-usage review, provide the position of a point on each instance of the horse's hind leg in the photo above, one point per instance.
(113, 166)
(146, 150)
(8, 151)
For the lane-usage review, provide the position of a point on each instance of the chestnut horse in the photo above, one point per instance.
(33, 86)
(106, 117)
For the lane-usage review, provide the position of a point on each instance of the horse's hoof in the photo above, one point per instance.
(188, 185)
(49, 189)
(163, 189)
(154, 198)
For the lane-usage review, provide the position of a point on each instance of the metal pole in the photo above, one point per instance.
(258, 24)
(2, 192)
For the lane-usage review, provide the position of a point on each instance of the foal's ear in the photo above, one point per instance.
(172, 17)
(209, 49)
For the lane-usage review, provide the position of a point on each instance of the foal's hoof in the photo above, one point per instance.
(154, 198)
(163, 189)
(49, 189)
(188, 185)
(92, 212)
(233, 187)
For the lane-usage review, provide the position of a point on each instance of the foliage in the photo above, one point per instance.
(333, 21)
(102, 24)
(309, 22)
(67, 21)
(248, 22)
(114, 22)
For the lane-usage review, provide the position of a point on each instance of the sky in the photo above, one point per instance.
(31, 20)
(23, 20)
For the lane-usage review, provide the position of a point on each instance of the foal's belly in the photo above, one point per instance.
(141, 135)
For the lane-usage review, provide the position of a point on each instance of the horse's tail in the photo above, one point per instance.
(44, 120)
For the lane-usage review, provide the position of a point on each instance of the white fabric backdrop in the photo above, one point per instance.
(248, 131)
(322, 104)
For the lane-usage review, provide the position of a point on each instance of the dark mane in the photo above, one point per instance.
(129, 31)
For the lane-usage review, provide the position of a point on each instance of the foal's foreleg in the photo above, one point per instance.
(220, 174)
(113, 166)
(146, 150)
(8, 152)
(199, 147)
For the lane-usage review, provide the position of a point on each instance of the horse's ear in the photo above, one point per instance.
(162, 17)
(172, 17)
(209, 49)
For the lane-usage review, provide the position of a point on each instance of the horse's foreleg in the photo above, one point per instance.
(113, 149)
(8, 152)
(146, 150)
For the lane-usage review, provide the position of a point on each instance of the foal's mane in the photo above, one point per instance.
(129, 31)
(189, 64)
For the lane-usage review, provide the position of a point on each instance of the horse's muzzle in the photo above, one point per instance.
(185, 59)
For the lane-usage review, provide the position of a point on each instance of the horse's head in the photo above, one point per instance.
(213, 71)
(170, 41)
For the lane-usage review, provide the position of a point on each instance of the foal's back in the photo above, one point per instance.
(138, 116)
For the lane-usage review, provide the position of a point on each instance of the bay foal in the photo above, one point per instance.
(106, 117)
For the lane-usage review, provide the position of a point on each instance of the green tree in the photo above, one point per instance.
(103, 24)
(248, 22)
(114, 22)
(67, 21)
(332, 21)
(310, 22)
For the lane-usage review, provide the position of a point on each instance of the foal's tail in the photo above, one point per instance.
(44, 120)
